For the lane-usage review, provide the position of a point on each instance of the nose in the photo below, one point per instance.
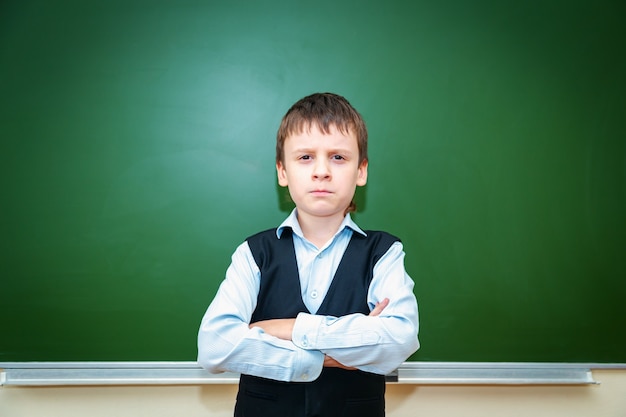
(321, 169)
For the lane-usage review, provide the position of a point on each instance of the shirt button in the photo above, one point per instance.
(314, 294)
(305, 376)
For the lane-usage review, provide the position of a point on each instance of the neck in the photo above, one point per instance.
(319, 230)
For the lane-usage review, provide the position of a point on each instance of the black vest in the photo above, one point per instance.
(337, 392)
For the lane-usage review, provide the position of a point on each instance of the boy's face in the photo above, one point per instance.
(321, 171)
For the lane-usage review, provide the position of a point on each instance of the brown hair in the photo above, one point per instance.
(323, 110)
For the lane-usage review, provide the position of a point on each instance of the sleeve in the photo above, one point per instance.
(226, 343)
(373, 344)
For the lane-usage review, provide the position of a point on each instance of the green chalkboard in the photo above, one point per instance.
(137, 153)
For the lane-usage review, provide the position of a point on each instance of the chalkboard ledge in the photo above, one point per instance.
(189, 373)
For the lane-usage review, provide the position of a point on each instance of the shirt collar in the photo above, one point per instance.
(292, 223)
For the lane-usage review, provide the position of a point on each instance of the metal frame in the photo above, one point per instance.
(189, 373)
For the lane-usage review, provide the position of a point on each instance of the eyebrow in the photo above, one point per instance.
(344, 151)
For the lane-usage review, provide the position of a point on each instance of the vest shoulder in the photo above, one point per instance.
(265, 234)
(379, 235)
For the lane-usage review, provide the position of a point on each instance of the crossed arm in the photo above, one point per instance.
(283, 329)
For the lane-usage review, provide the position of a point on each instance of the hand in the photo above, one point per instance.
(281, 328)
(333, 363)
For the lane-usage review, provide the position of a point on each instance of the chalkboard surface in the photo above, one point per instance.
(137, 153)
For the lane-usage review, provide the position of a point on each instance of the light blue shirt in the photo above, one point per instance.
(374, 344)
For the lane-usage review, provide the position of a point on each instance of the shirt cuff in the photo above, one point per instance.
(305, 330)
(309, 367)
(329, 332)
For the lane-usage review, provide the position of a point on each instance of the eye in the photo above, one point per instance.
(338, 157)
(305, 157)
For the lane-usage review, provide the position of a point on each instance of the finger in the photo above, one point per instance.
(380, 306)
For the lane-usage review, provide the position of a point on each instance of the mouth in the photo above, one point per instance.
(320, 192)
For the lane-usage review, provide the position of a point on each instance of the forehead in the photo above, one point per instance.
(313, 135)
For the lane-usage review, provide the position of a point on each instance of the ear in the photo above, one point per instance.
(281, 173)
(361, 179)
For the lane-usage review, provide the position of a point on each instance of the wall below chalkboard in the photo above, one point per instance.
(137, 153)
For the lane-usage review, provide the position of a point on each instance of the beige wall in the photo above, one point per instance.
(605, 400)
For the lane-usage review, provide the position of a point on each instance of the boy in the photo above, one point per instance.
(313, 314)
